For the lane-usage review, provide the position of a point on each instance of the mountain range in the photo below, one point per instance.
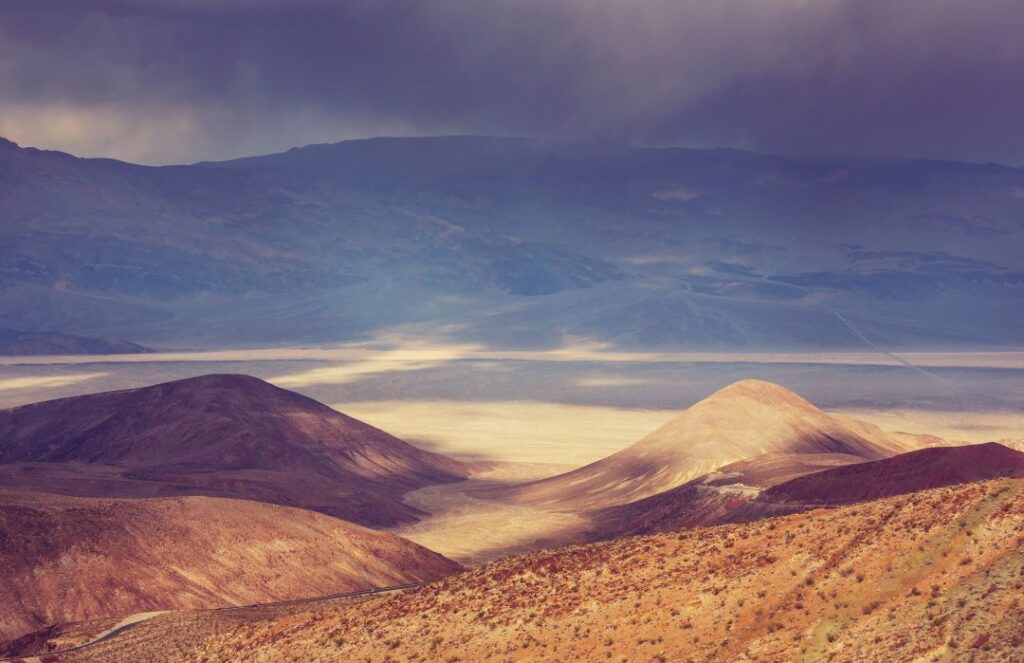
(514, 243)
(223, 490)
(19, 343)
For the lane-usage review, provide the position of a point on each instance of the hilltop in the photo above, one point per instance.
(220, 435)
(741, 421)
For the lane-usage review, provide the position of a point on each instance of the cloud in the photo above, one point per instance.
(929, 78)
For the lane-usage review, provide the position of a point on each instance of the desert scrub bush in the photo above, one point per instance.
(871, 607)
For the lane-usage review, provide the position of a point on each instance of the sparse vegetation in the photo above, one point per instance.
(672, 596)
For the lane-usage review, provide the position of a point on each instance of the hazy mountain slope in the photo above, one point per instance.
(682, 248)
(161, 243)
(100, 226)
(14, 342)
(741, 421)
(224, 435)
(72, 558)
(934, 574)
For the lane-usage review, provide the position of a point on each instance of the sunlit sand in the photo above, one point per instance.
(965, 426)
(473, 531)
(518, 431)
(46, 381)
(389, 351)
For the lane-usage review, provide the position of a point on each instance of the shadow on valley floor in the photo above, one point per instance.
(473, 531)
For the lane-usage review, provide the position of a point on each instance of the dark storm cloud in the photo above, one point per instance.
(177, 79)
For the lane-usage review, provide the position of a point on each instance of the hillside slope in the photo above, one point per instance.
(754, 489)
(72, 558)
(14, 342)
(744, 420)
(906, 473)
(712, 498)
(520, 242)
(935, 575)
(221, 435)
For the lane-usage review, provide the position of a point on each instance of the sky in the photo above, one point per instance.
(172, 81)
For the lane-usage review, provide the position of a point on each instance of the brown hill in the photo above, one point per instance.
(936, 575)
(220, 435)
(906, 473)
(776, 485)
(712, 498)
(742, 421)
(74, 558)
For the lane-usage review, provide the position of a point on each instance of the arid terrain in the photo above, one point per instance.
(511, 331)
(704, 462)
(737, 558)
(219, 435)
(743, 420)
(756, 489)
(934, 575)
(68, 559)
(117, 503)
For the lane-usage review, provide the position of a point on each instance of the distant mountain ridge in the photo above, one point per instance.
(521, 242)
(14, 342)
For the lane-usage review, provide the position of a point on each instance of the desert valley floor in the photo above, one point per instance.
(536, 414)
(528, 452)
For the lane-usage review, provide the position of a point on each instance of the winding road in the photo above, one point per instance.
(141, 617)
